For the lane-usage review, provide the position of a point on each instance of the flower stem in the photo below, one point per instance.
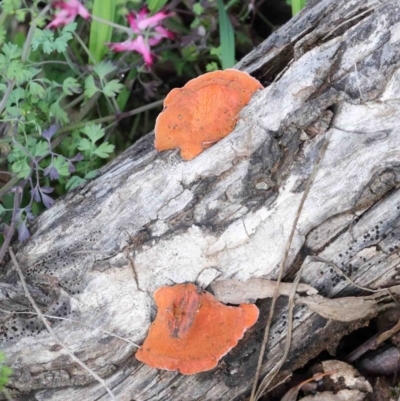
(114, 25)
(112, 117)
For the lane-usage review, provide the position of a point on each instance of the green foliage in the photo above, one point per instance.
(109, 89)
(156, 5)
(100, 33)
(90, 86)
(227, 38)
(88, 146)
(71, 86)
(52, 102)
(297, 5)
(5, 371)
(9, 6)
(46, 39)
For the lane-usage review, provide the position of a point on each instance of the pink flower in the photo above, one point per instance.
(141, 21)
(69, 9)
(148, 32)
(137, 45)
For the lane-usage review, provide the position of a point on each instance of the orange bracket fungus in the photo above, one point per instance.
(204, 111)
(192, 330)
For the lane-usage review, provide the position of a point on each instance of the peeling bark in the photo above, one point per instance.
(152, 219)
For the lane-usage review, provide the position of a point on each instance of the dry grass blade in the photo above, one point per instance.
(51, 331)
(388, 333)
(257, 393)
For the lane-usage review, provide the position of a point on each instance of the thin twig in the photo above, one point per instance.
(255, 394)
(51, 331)
(113, 117)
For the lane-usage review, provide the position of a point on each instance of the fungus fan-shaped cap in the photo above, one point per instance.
(204, 111)
(193, 330)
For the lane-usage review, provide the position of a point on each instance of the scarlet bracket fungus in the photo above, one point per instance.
(192, 330)
(204, 111)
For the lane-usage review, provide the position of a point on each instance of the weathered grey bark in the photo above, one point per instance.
(152, 219)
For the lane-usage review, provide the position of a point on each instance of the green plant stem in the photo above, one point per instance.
(113, 117)
(6, 189)
(113, 24)
(84, 47)
(7, 94)
(74, 102)
(27, 46)
(267, 21)
(40, 63)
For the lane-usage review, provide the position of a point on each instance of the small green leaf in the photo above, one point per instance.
(16, 71)
(2, 209)
(68, 29)
(16, 96)
(11, 51)
(43, 38)
(103, 68)
(213, 66)
(48, 47)
(58, 113)
(112, 88)
(42, 149)
(60, 44)
(86, 146)
(155, 5)
(90, 87)
(104, 150)
(71, 86)
(91, 174)
(9, 6)
(61, 165)
(20, 15)
(93, 131)
(74, 182)
(36, 90)
(198, 9)
(30, 145)
(21, 168)
(13, 112)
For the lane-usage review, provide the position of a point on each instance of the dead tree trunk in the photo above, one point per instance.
(331, 74)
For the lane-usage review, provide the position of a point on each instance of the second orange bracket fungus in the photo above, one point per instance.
(192, 330)
(204, 111)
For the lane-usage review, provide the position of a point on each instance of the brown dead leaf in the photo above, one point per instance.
(347, 309)
(232, 291)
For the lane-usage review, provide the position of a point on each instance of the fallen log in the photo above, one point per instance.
(152, 219)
